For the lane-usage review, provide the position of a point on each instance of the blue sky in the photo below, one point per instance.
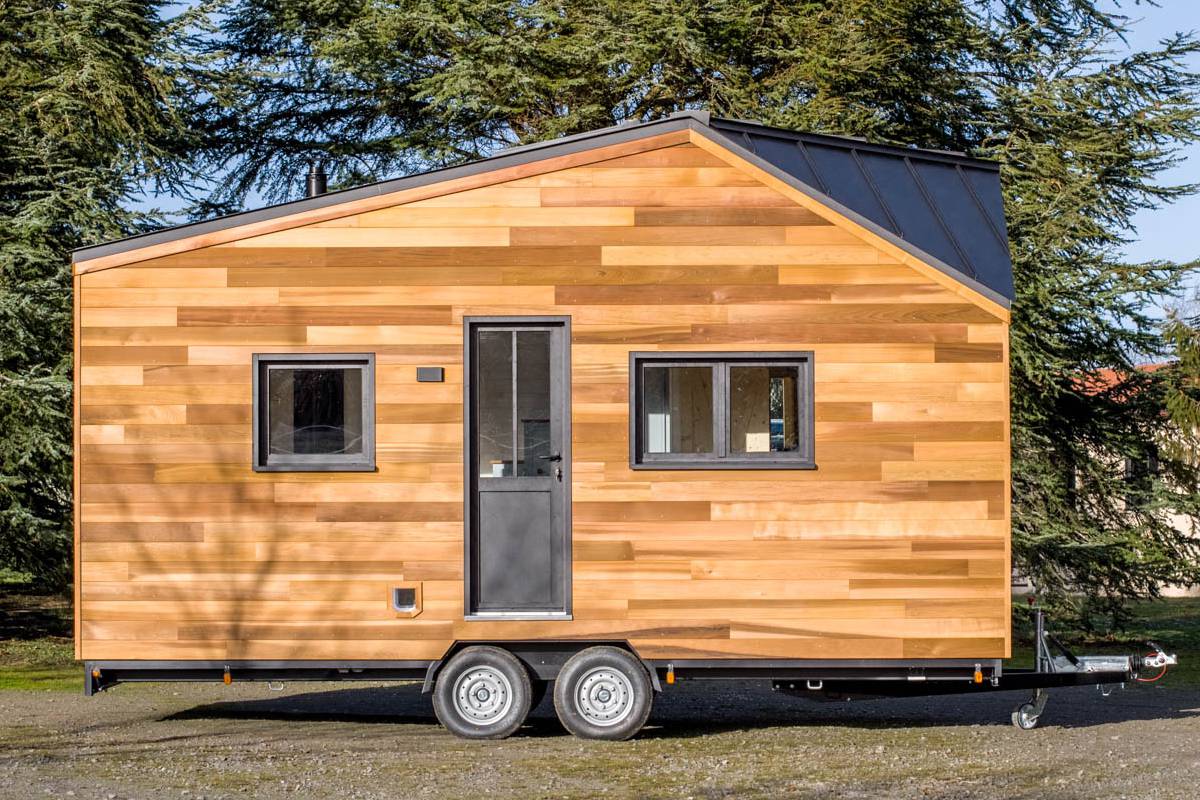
(1170, 232)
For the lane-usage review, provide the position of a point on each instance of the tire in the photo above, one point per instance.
(1024, 718)
(603, 693)
(482, 693)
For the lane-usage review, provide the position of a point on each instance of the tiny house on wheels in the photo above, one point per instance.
(688, 398)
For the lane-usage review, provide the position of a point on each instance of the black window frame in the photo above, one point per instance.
(721, 458)
(358, 462)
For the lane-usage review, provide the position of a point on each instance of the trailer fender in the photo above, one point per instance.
(430, 673)
(543, 658)
(654, 682)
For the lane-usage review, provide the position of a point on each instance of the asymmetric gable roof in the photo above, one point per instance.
(944, 209)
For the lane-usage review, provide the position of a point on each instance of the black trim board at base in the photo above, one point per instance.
(816, 669)
(1013, 680)
(100, 675)
(542, 658)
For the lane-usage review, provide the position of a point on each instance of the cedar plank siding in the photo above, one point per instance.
(896, 546)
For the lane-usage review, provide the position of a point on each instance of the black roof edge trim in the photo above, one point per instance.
(858, 143)
(511, 157)
(873, 227)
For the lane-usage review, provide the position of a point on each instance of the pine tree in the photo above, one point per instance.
(374, 89)
(1099, 481)
(87, 112)
(1183, 383)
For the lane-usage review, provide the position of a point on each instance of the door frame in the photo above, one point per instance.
(470, 325)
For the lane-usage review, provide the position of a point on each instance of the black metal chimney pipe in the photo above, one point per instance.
(316, 183)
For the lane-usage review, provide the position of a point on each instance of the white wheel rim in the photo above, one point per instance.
(483, 696)
(604, 697)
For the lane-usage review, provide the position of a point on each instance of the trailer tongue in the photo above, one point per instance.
(1054, 666)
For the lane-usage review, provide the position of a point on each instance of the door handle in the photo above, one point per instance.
(553, 457)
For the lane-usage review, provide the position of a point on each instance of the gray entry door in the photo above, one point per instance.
(517, 558)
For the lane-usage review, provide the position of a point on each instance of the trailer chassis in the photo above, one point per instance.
(1055, 666)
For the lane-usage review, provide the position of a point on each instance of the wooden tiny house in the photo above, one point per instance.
(707, 390)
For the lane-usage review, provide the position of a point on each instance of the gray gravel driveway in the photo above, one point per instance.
(705, 740)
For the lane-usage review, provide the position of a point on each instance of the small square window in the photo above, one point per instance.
(721, 410)
(314, 412)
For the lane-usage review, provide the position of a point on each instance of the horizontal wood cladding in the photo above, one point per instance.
(896, 546)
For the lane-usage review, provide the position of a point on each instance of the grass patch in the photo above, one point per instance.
(36, 651)
(27, 614)
(32, 679)
(9, 577)
(45, 664)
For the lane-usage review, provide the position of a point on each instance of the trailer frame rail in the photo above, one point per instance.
(1055, 666)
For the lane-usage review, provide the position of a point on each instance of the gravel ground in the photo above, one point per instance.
(705, 740)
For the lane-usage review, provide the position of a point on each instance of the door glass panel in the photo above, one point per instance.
(679, 409)
(494, 404)
(534, 444)
(315, 411)
(763, 417)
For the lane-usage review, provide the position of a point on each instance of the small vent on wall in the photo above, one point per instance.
(430, 374)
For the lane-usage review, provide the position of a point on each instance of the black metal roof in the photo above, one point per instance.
(944, 208)
(944, 204)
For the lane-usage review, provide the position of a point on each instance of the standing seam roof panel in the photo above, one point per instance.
(847, 184)
(917, 221)
(785, 154)
(964, 216)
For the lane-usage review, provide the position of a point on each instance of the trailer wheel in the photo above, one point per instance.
(482, 693)
(603, 693)
(1026, 717)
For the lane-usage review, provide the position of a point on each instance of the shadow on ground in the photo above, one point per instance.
(25, 616)
(704, 707)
